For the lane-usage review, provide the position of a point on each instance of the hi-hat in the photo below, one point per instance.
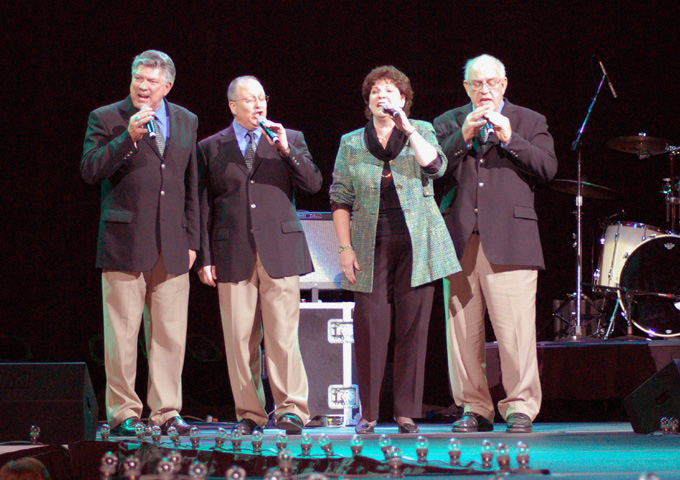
(641, 145)
(588, 190)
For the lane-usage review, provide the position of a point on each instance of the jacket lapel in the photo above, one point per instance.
(232, 150)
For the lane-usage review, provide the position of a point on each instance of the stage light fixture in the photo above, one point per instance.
(156, 435)
(281, 441)
(198, 470)
(174, 436)
(140, 432)
(523, 454)
(220, 438)
(422, 448)
(503, 457)
(306, 444)
(455, 451)
(385, 443)
(195, 437)
(108, 465)
(487, 453)
(326, 444)
(256, 439)
(175, 457)
(132, 468)
(105, 432)
(235, 473)
(356, 445)
(236, 439)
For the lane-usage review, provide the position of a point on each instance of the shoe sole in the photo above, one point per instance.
(519, 430)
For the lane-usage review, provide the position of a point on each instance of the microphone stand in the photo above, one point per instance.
(576, 147)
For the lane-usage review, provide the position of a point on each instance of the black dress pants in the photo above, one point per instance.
(412, 306)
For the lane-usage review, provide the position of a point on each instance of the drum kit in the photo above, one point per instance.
(639, 265)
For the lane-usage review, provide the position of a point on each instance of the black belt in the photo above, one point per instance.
(475, 232)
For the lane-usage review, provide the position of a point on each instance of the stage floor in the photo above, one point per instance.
(560, 450)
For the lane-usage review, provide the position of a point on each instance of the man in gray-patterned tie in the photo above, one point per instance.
(254, 250)
(148, 238)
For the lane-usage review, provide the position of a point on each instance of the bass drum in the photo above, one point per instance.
(654, 267)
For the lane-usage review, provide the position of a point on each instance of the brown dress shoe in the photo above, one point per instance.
(177, 422)
(289, 422)
(246, 426)
(471, 422)
(519, 423)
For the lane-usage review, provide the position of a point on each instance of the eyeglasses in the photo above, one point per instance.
(479, 84)
(253, 99)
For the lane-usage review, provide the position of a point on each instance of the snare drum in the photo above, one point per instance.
(654, 267)
(617, 243)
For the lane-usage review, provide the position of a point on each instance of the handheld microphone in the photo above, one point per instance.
(609, 82)
(390, 111)
(150, 126)
(274, 137)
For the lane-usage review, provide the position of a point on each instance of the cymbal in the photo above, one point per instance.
(641, 145)
(588, 190)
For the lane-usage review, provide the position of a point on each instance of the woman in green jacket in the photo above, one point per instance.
(393, 242)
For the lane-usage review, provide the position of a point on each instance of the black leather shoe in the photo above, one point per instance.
(246, 426)
(471, 422)
(177, 422)
(407, 427)
(127, 427)
(289, 422)
(364, 427)
(519, 423)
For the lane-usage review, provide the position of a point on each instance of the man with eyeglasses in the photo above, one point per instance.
(253, 249)
(497, 153)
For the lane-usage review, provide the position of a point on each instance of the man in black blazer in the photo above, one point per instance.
(254, 249)
(497, 153)
(148, 238)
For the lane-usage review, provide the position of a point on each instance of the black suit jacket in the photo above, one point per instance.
(245, 212)
(149, 204)
(494, 186)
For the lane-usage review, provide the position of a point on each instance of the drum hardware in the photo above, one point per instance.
(672, 191)
(641, 145)
(578, 199)
(588, 190)
(645, 281)
(564, 312)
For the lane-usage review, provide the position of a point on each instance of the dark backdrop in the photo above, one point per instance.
(62, 61)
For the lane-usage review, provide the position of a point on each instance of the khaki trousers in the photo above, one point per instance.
(256, 308)
(509, 293)
(161, 299)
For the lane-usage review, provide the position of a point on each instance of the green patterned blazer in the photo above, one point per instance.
(356, 182)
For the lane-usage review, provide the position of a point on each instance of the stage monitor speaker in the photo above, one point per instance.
(323, 247)
(57, 397)
(657, 397)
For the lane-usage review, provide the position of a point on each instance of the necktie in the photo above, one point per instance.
(250, 150)
(484, 134)
(160, 140)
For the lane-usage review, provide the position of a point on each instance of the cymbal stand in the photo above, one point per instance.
(673, 195)
(576, 147)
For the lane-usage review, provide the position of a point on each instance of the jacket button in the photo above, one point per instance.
(476, 210)
(252, 205)
(162, 192)
(481, 184)
(162, 165)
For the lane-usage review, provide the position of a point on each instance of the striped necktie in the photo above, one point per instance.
(250, 150)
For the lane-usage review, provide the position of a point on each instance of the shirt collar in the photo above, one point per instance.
(240, 131)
